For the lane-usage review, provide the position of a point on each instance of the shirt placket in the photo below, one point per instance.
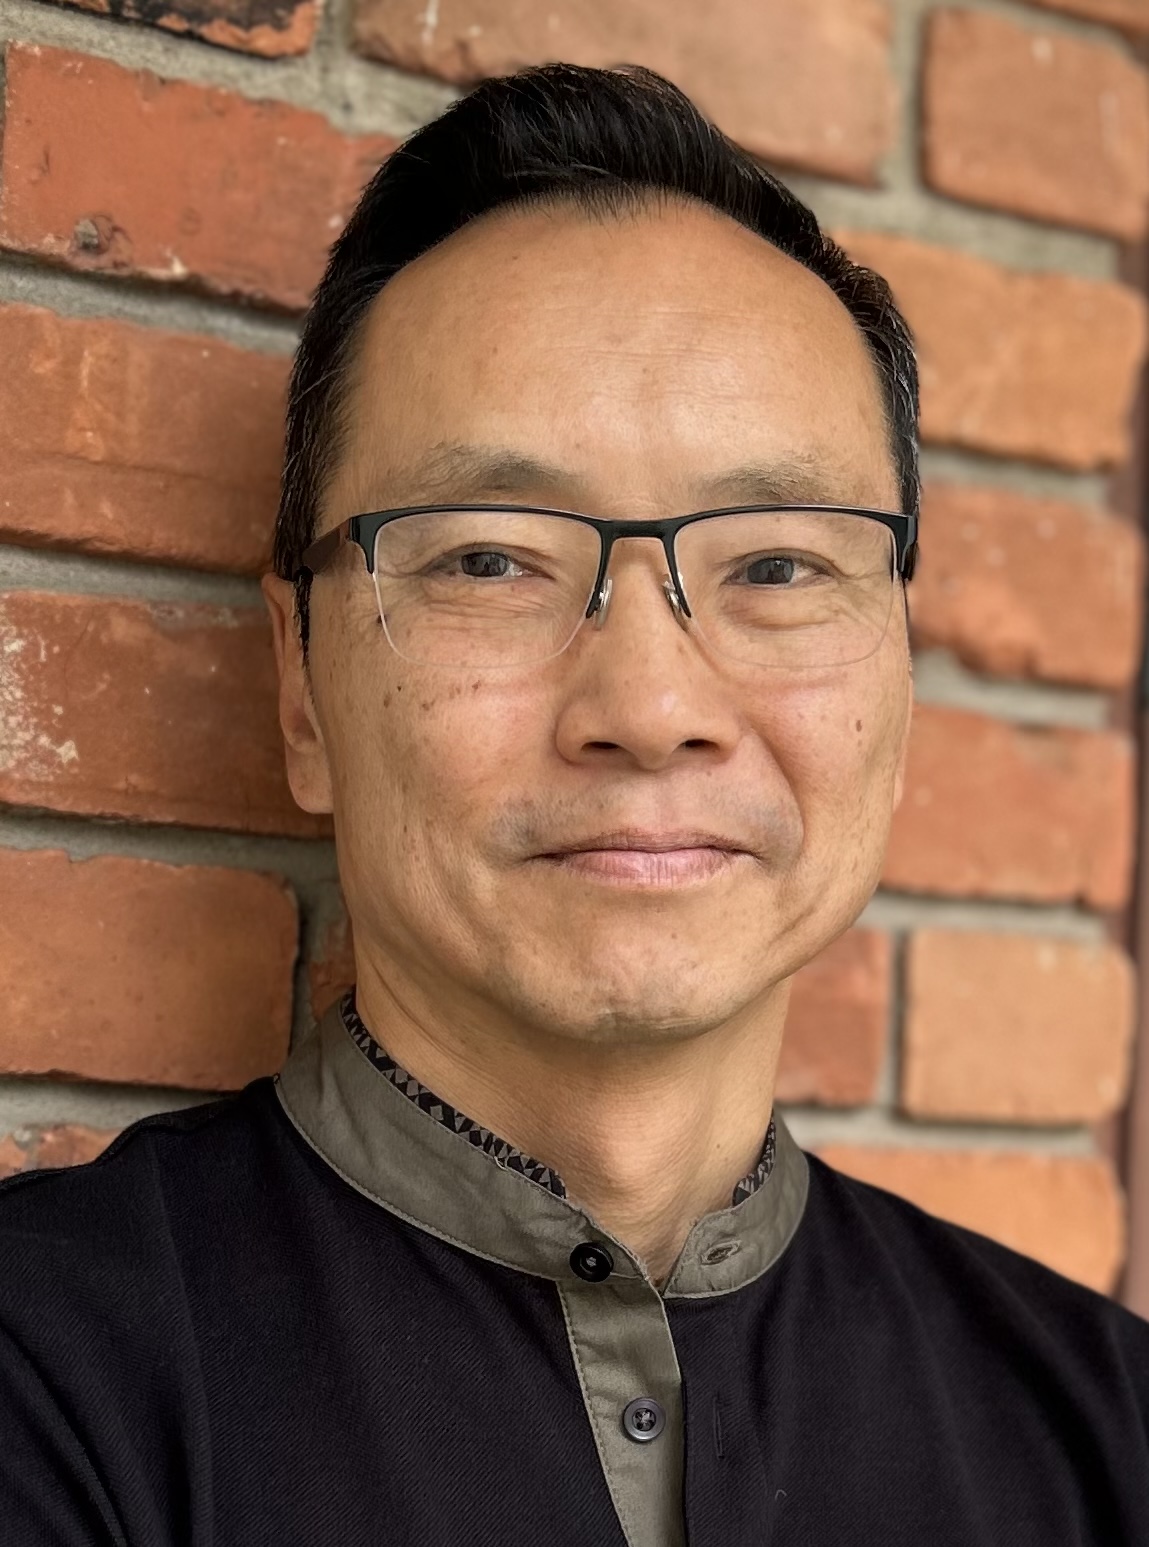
(628, 1370)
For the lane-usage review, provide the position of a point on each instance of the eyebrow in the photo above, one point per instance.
(460, 473)
(468, 472)
(795, 478)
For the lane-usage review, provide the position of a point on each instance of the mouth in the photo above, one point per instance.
(648, 859)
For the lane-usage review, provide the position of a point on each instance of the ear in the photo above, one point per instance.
(308, 773)
(900, 775)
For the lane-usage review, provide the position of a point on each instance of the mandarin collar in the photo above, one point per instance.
(390, 1150)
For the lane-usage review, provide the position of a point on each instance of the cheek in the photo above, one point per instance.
(436, 750)
(838, 742)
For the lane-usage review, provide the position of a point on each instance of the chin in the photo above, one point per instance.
(638, 1012)
(634, 1026)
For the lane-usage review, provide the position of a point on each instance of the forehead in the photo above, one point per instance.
(642, 353)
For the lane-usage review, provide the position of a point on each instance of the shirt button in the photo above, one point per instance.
(592, 1262)
(643, 1419)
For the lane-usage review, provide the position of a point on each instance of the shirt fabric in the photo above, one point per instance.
(314, 1315)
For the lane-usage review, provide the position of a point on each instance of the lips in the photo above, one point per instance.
(661, 842)
(648, 860)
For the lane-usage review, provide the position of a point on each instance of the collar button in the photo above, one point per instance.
(591, 1262)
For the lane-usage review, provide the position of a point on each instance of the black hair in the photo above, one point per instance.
(559, 132)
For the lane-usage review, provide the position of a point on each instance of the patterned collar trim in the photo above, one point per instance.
(379, 1141)
(502, 1152)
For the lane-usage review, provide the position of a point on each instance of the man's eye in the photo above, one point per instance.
(774, 569)
(487, 564)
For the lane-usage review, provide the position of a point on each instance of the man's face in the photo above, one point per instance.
(647, 361)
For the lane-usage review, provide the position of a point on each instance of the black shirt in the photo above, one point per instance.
(311, 1315)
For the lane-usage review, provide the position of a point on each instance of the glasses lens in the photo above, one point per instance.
(789, 588)
(483, 588)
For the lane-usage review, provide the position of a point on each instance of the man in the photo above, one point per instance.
(599, 506)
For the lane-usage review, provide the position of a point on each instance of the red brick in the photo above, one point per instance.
(161, 713)
(127, 440)
(1017, 364)
(1065, 1211)
(1015, 1028)
(1130, 15)
(121, 172)
(66, 1144)
(1024, 587)
(273, 28)
(1051, 126)
(331, 970)
(806, 85)
(132, 971)
(836, 1029)
(12, 1157)
(71, 1144)
(993, 809)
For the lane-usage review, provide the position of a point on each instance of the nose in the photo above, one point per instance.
(639, 691)
(669, 588)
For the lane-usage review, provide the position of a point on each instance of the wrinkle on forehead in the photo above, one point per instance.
(679, 362)
(458, 472)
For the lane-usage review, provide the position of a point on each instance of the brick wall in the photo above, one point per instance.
(166, 195)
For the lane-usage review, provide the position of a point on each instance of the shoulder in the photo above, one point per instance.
(137, 1170)
(961, 1282)
(109, 1237)
(109, 1272)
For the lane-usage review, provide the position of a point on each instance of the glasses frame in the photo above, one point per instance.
(363, 530)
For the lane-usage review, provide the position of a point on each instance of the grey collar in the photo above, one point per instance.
(383, 1145)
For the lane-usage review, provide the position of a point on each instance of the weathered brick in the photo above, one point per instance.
(1051, 126)
(121, 172)
(1064, 1211)
(162, 713)
(273, 28)
(1015, 1028)
(1015, 363)
(12, 1157)
(127, 440)
(70, 1144)
(1130, 15)
(127, 970)
(993, 809)
(1025, 587)
(65, 1144)
(805, 85)
(836, 1029)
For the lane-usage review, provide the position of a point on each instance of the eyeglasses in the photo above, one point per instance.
(492, 586)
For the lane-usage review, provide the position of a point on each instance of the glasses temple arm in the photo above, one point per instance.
(321, 552)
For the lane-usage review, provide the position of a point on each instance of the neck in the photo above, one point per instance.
(647, 1138)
